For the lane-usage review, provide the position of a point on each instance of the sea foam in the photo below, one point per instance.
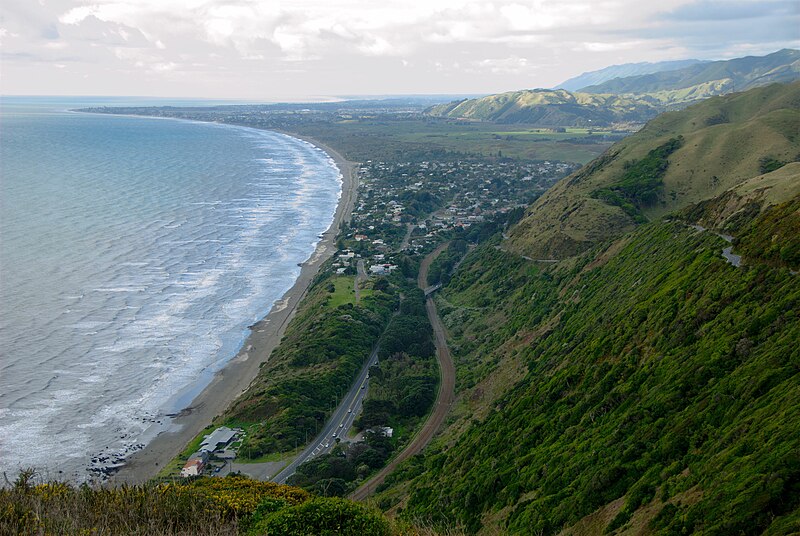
(135, 253)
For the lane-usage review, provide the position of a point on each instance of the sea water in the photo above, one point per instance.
(134, 254)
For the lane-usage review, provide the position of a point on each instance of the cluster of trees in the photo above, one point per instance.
(335, 474)
(403, 384)
(420, 203)
(316, 362)
(775, 236)
(442, 266)
(641, 182)
(402, 389)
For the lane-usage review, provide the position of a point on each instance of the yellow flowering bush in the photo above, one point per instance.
(229, 506)
(239, 496)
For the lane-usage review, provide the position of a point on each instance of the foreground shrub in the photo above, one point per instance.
(323, 517)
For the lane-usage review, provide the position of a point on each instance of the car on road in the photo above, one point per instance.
(350, 410)
(334, 434)
(341, 425)
(362, 386)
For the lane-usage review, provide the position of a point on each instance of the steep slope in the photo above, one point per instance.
(550, 108)
(646, 385)
(655, 390)
(737, 75)
(678, 159)
(592, 78)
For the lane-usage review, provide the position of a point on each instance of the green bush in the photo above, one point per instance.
(323, 517)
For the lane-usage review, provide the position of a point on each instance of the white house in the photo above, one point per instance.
(195, 465)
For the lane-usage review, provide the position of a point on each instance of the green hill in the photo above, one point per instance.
(679, 158)
(646, 384)
(645, 388)
(550, 107)
(630, 99)
(729, 75)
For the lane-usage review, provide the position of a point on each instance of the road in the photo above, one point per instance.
(361, 276)
(444, 398)
(337, 426)
(407, 238)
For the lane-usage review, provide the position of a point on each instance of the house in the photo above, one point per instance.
(377, 269)
(382, 269)
(195, 465)
(360, 237)
(221, 436)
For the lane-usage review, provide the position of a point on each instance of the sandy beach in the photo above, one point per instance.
(265, 335)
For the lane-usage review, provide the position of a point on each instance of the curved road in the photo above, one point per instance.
(444, 398)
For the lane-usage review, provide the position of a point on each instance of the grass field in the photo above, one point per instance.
(344, 292)
(387, 140)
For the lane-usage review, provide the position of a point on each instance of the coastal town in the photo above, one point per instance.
(413, 206)
(403, 211)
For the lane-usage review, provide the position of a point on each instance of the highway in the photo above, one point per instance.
(444, 398)
(338, 425)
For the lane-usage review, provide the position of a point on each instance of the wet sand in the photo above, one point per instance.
(265, 335)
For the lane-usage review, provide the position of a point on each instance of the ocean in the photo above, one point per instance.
(134, 254)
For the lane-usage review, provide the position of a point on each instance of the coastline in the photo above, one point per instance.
(264, 337)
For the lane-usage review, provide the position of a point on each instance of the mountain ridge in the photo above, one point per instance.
(743, 73)
(591, 78)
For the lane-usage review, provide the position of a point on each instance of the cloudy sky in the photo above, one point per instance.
(279, 50)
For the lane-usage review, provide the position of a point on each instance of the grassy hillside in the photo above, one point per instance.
(724, 142)
(644, 383)
(739, 74)
(644, 388)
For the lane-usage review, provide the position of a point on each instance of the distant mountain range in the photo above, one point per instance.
(738, 74)
(592, 78)
(628, 99)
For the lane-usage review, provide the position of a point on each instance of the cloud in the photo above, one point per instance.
(716, 10)
(240, 47)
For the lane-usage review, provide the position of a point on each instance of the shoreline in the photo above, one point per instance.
(265, 335)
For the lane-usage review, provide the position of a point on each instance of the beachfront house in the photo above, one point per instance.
(195, 465)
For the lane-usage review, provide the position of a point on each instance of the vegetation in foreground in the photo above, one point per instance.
(203, 507)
